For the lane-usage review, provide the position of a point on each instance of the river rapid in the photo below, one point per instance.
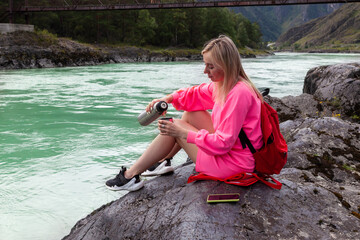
(65, 131)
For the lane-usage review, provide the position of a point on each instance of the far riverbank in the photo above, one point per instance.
(24, 50)
(320, 50)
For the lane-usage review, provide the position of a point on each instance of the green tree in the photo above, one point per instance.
(125, 25)
(196, 20)
(242, 38)
(219, 21)
(254, 35)
(145, 28)
(49, 21)
(181, 30)
(163, 28)
(164, 32)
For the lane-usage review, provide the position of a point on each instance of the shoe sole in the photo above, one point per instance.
(130, 186)
(162, 171)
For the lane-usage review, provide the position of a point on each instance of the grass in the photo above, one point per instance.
(347, 167)
(46, 38)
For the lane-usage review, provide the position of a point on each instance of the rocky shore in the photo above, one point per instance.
(21, 50)
(320, 197)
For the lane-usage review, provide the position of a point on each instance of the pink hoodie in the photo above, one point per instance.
(220, 153)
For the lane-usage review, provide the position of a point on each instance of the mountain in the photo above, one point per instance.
(275, 20)
(334, 31)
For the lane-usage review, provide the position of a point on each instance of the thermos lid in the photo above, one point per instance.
(161, 106)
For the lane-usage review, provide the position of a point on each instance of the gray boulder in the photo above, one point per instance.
(337, 85)
(169, 208)
(293, 107)
(328, 148)
(329, 91)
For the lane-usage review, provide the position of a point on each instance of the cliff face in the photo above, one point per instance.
(320, 197)
(340, 27)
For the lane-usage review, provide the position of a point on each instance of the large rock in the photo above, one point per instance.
(168, 208)
(329, 91)
(337, 85)
(330, 149)
(293, 107)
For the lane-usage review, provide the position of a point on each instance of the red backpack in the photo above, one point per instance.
(270, 159)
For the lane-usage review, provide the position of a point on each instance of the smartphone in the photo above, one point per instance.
(167, 119)
(226, 197)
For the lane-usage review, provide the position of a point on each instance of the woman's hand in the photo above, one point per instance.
(169, 128)
(167, 99)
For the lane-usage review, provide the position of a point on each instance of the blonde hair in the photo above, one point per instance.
(226, 57)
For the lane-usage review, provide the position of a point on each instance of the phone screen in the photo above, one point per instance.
(227, 197)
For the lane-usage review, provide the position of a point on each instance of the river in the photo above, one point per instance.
(65, 131)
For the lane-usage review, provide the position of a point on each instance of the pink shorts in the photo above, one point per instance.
(224, 166)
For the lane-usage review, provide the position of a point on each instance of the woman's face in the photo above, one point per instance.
(214, 73)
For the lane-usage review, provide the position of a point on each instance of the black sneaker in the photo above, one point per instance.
(159, 168)
(122, 183)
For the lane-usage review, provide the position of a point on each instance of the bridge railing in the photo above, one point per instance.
(103, 5)
(96, 3)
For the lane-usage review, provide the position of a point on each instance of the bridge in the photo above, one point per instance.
(27, 6)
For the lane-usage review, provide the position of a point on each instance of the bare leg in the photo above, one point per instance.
(173, 152)
(200, 120)
(194, 121)
(159, 148)
(162, 146)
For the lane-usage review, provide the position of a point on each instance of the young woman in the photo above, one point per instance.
(211, 141)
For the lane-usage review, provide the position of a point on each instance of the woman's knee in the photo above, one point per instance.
(184, 124)
(199, 119)
(188, 116)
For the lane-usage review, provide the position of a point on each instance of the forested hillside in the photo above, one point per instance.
(339, 31)
(185, 28)
(163, 28)
(275, 20)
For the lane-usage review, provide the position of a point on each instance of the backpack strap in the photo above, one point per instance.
(245, 141)
(268, 180)
(243, 138)
(240, 179)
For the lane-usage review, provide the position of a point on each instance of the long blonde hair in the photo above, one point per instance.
(226, 57)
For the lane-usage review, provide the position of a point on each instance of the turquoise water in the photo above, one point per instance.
(65, 131)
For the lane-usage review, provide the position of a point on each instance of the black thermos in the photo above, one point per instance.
(145, 118)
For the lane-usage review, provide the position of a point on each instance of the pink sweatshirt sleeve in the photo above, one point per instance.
(228, 120)
(194, 98)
